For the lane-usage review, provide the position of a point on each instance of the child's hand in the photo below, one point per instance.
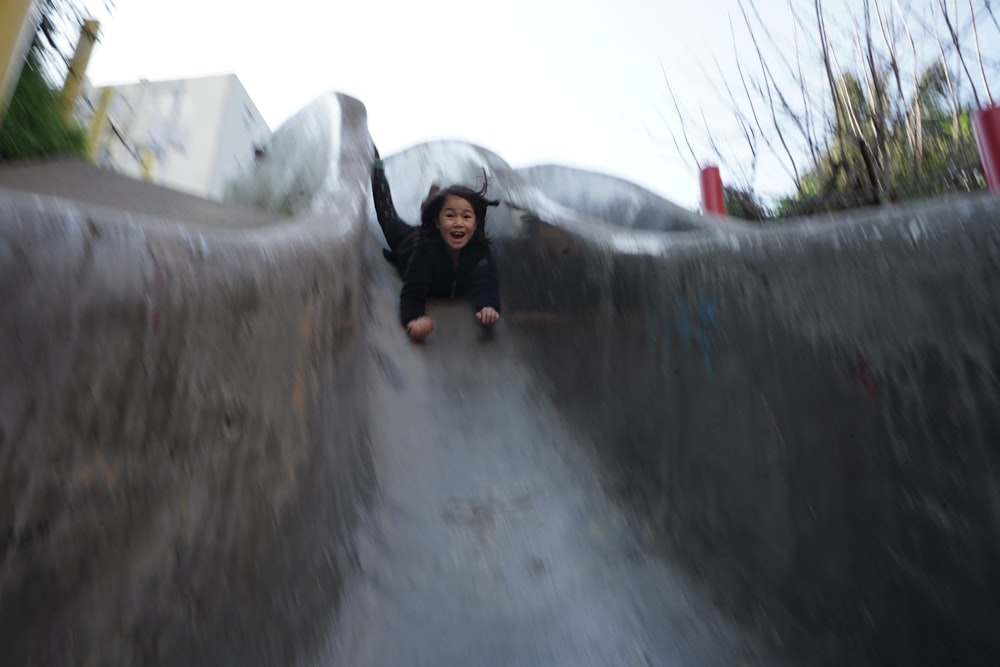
(420, 328)
(488, 316)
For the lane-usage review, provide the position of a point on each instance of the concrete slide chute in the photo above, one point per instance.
(689, 442)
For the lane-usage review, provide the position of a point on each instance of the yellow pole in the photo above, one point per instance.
(16, 29)
(147, 164)
(77, 68)
(98, 122)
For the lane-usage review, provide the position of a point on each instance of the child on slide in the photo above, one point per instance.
(447, 256)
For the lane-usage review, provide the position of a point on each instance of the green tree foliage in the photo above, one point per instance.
(867, 102)
(927, 148)
(944, 158)
(745, 204)
(32, 126)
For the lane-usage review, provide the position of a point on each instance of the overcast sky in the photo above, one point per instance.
(573, 82)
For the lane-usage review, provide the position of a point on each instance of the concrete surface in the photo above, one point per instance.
(81, 181)
(806, 420)
(613, 200)
(721, 446)
(494, 540)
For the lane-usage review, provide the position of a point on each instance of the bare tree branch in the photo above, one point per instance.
(979, 54)
(879, 119)
(867, 124)
(711, 136)
(768, 79)
(828, 66)
(680, 115)
(914, 111)
(942, 5)
(989, 9)
(743, 80)
(806, 107)
(952, 93)
(750, 135)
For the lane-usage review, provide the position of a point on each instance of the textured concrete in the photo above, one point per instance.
(717, 445)
(806, 416)
(495, 539)
(85, 183)
(613, 200)
(180, 450)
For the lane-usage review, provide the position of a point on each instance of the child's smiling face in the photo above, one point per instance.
(456, 222)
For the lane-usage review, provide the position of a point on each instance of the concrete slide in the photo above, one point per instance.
(689, 441)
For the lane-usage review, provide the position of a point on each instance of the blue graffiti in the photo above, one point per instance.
(695, 323)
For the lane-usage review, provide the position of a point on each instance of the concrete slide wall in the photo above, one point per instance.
(181, 449)
(804, 417)
(808, 417)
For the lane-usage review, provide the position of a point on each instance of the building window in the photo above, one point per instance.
(248, 118)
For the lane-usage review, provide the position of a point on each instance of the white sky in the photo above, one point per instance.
(573, 82)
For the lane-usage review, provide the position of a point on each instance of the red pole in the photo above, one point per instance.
(712, 200)
(986, 127)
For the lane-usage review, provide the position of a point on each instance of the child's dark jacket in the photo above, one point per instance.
(425, 265)
(431, 273)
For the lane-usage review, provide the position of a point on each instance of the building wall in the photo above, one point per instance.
(187, 134)
(241, 130)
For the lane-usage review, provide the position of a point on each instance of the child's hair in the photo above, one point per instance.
(430, 208)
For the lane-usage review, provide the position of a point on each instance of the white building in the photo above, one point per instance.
(190, 134)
